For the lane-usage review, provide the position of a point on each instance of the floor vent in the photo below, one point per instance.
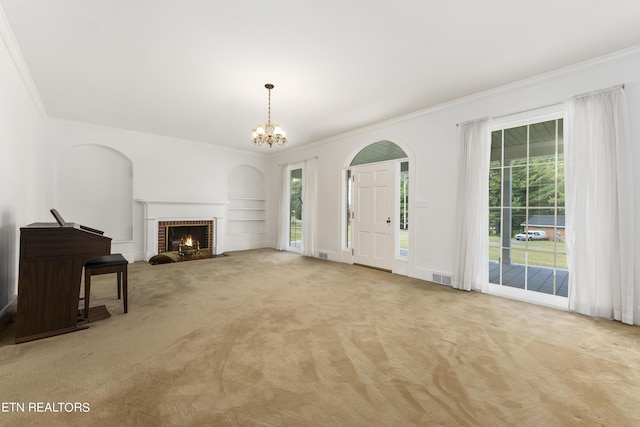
(323, 255)
(443, 279)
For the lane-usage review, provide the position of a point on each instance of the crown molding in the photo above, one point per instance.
(583, 66)
(9, 40)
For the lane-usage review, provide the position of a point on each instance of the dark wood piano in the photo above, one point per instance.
(52, 256)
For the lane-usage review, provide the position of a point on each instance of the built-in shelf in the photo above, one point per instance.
(246, 215)
(246, 211)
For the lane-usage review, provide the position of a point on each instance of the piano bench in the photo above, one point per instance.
(114, 263)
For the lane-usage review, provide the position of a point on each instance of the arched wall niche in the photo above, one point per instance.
(246, 182)
(94, 187)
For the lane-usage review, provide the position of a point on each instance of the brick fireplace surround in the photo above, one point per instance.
(182, 213)
(162, 231)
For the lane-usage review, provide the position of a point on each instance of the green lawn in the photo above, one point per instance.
(545, 253)
(404, 239)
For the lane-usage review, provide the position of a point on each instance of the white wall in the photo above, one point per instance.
(430, 137)
(164, 169)
(21, 160)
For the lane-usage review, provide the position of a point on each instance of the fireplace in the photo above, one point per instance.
(186, 238)
(160, 214)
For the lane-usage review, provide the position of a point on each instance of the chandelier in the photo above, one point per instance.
(268, 133)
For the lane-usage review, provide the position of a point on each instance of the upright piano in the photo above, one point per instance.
(52, 256)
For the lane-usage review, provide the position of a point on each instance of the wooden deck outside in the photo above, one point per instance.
(538, 279)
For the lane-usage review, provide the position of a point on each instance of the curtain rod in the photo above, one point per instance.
(620, 86)
(547, 106)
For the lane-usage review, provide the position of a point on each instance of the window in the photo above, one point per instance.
(295, 208)
(403, 236)
(349, 216)
(527, 208)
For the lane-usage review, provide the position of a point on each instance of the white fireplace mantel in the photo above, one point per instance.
(156, 211)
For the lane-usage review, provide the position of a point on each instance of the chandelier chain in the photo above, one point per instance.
(269, 114)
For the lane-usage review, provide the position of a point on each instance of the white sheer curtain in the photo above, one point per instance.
(283, 209)
(600, 206)
(471, 256)
(309, 207)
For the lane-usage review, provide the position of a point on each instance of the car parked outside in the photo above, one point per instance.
(532, 235)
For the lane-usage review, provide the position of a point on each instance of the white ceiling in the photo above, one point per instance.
(196, 69)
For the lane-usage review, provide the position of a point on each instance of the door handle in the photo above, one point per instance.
(389, 220)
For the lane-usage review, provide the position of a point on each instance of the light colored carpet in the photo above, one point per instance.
(272, 338)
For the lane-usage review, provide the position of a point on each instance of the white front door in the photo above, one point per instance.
(373, 215)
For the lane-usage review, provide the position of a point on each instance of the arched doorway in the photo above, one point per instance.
(377, 209)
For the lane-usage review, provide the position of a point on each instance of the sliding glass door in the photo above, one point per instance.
(527, 208)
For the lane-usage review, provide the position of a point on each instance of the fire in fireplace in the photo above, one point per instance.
(186, 238)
